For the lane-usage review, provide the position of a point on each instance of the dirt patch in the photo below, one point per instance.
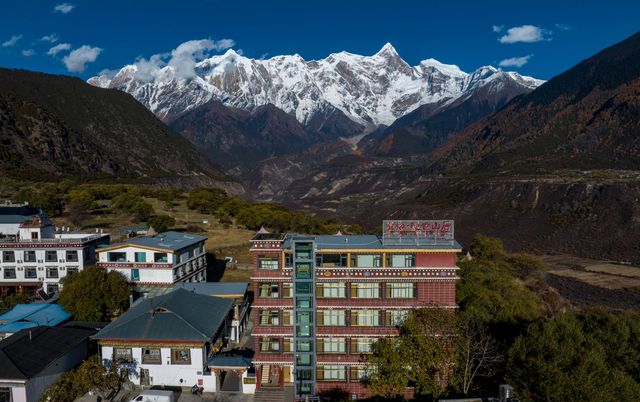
(602, 280)
(628, 271)
(582, 293)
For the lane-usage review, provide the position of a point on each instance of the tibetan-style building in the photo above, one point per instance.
(322, 301)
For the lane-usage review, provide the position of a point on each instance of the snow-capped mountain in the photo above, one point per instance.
(370, 90)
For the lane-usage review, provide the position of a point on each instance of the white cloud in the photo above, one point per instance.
(515, 61)
(59, 48)
(525, 33)
(77, 60)
(183, 58)
(497, 28)
(146, 68)
(10, 42)
(63, 8)
(563, 27)
(28, 52)
(49, 38)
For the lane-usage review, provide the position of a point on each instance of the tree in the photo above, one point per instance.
(91, 375)
(423, 355)
(486, 247)
(94, 295)
(9, 302)
(206, 200)
(557, 359)
(161, 223)
(81, 199)
(478, 353)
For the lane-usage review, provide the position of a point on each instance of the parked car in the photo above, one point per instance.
(155, 395)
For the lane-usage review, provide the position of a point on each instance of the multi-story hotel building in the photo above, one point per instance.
(322, 301)
(159, 260)
(35, 256)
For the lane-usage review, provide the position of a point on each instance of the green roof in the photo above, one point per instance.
(177, 316)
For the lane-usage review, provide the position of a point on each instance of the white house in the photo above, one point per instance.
(34, 256)
(167, 340)
(159, 260)
(32, 359)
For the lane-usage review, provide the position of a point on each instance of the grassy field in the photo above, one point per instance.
(597, 273)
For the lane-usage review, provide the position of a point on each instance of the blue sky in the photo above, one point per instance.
(537, 38)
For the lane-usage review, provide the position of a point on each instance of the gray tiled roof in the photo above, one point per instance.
(177, 316)
(166, 240)
(214, 288)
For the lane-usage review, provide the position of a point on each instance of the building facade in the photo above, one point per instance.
(35, 256)
(159, 260)
(322, 301)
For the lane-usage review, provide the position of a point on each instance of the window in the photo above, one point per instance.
(304, 346)
(5, 394)
(180, 356)
(331, 373)
(160, 257)
(52, 288)
(287, 290)
(304, 302)
(303, 288)
(331, 345)
(403, 290)
(116, 257)
(269, 317)
(303, 270)
(8, 256)
(52, 272)
(365, 317)
(30, 272)
(359, 373)
(362, 345)
(151, 356)
(135, 274)
(10, 273)
(396, 317)
(365, 290)
(366, 260)
(29, 256)
(72, 256)
(122, 355)
(331, 290)
(331, 317)
(269, 345)
(34, 235)
(401, 260)
(267, 262)
(331, 260)
(140, 256)
(51, 256)
(269, 290)
(287, 345)
(72, 271)
(303, 251)
(287, 317)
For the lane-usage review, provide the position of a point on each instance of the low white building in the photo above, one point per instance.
(159, 260)
(34, 358)
(167, 340)
(34, 256)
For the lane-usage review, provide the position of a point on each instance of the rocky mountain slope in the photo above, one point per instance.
(340, 93)
(585, 118)
(54, 127)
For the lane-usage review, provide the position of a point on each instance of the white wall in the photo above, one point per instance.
(166, 373)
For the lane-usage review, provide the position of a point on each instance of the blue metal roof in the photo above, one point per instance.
(167, 240)
(229, 361)
(372, 242)
(32, 315)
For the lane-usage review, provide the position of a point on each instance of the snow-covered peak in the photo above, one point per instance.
(370, 90)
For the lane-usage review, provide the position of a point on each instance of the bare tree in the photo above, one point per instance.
(479, 355)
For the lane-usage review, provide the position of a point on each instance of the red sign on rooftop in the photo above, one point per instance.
(417, 232)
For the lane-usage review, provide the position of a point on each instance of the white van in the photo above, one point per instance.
(154, 395)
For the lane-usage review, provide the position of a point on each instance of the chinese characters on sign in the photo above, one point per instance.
(417, 231)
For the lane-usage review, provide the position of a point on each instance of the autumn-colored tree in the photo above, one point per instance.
(91, 375)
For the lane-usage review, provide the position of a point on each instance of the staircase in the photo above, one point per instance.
(274, 394)
(264, 374)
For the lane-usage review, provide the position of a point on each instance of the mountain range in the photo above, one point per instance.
(369, 90)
